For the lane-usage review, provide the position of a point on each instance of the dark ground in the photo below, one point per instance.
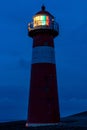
(74, 122)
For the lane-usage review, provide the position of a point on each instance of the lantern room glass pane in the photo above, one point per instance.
(47, 20)
(40, 17)
(37, 18)
(43, 18)
(43, 22)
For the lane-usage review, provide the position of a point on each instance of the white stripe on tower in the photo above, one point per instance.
(43, 54)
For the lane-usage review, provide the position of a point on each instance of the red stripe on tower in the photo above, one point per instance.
(43, 108)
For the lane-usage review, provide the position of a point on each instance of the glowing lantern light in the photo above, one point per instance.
(41, 20)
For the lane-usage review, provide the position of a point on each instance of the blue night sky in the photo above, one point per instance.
(16, 50)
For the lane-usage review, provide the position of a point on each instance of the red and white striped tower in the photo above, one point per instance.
(43, 106)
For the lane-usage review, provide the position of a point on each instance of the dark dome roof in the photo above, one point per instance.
(44, 12)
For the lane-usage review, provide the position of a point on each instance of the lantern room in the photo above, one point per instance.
(43, 20)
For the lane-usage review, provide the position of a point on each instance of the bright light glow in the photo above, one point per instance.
(41, 20)
(47, 20)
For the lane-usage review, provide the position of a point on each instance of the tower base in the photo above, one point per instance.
(41, 124)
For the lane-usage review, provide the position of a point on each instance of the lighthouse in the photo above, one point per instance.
(43, 107)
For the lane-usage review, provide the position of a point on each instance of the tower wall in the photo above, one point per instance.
(43, 105)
